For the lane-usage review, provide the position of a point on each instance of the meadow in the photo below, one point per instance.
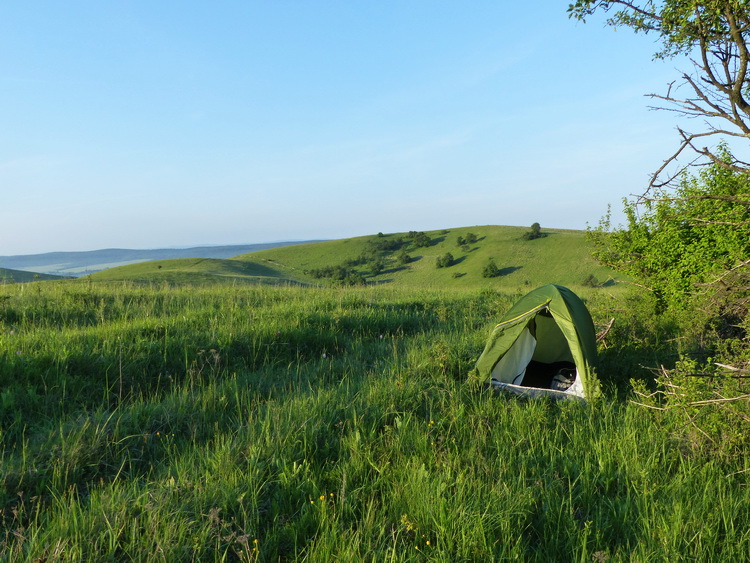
(280, 423)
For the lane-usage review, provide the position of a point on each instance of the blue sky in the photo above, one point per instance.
(154, 124)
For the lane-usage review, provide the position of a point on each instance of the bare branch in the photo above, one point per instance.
(722, 400)
(603, 334)
(638, 9)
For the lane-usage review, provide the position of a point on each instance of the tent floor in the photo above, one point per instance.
(540, 375)
(532, 392)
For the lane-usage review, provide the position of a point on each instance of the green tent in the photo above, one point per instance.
(544, 345)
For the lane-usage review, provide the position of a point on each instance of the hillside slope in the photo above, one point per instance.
(560, 256)
(196, 271)
(8, 275)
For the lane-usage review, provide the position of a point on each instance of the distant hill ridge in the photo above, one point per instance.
(81, 263)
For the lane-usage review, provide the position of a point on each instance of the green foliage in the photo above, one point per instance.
(690, 247)
(377, 266)
(681, 26)
(403, 257)
(386, 244)
(444, 260)
(339, 274)
(470, 238)
(678, 242)
(358, 261)
(420, 239)
(490, 269)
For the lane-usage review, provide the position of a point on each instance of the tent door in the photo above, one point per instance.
(512, 366)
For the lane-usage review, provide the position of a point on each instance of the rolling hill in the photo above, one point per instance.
(560, 256)
(8, 275)
(81, 263)
(197, 271)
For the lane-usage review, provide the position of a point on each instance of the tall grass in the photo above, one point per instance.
(266, 424)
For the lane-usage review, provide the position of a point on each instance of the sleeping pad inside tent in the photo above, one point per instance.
(544, 345)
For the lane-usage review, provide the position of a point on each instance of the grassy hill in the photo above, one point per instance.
(560, 256)
(17, 276)
(197, 271)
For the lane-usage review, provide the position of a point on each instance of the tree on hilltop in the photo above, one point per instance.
(534, 233)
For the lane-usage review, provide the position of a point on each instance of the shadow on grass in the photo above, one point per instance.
(509, 270)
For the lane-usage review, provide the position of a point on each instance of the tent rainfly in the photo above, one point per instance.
(545, 345)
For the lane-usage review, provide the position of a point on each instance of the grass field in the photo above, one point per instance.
(258, 423)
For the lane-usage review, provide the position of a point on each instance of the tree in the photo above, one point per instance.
(714, 36)
(377, 266)
(490, 269)
(717, 91)
(403, 257)
(534, 233)
(422, 240)
(444, 261)
(688, 236)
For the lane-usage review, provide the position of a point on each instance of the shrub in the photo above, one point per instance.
(377, 266)
(386, 244)
(683, 243)
(445, 261)
(403, 257)
(689, 246)
(339, 275)
(422, 240)
(490, 269)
